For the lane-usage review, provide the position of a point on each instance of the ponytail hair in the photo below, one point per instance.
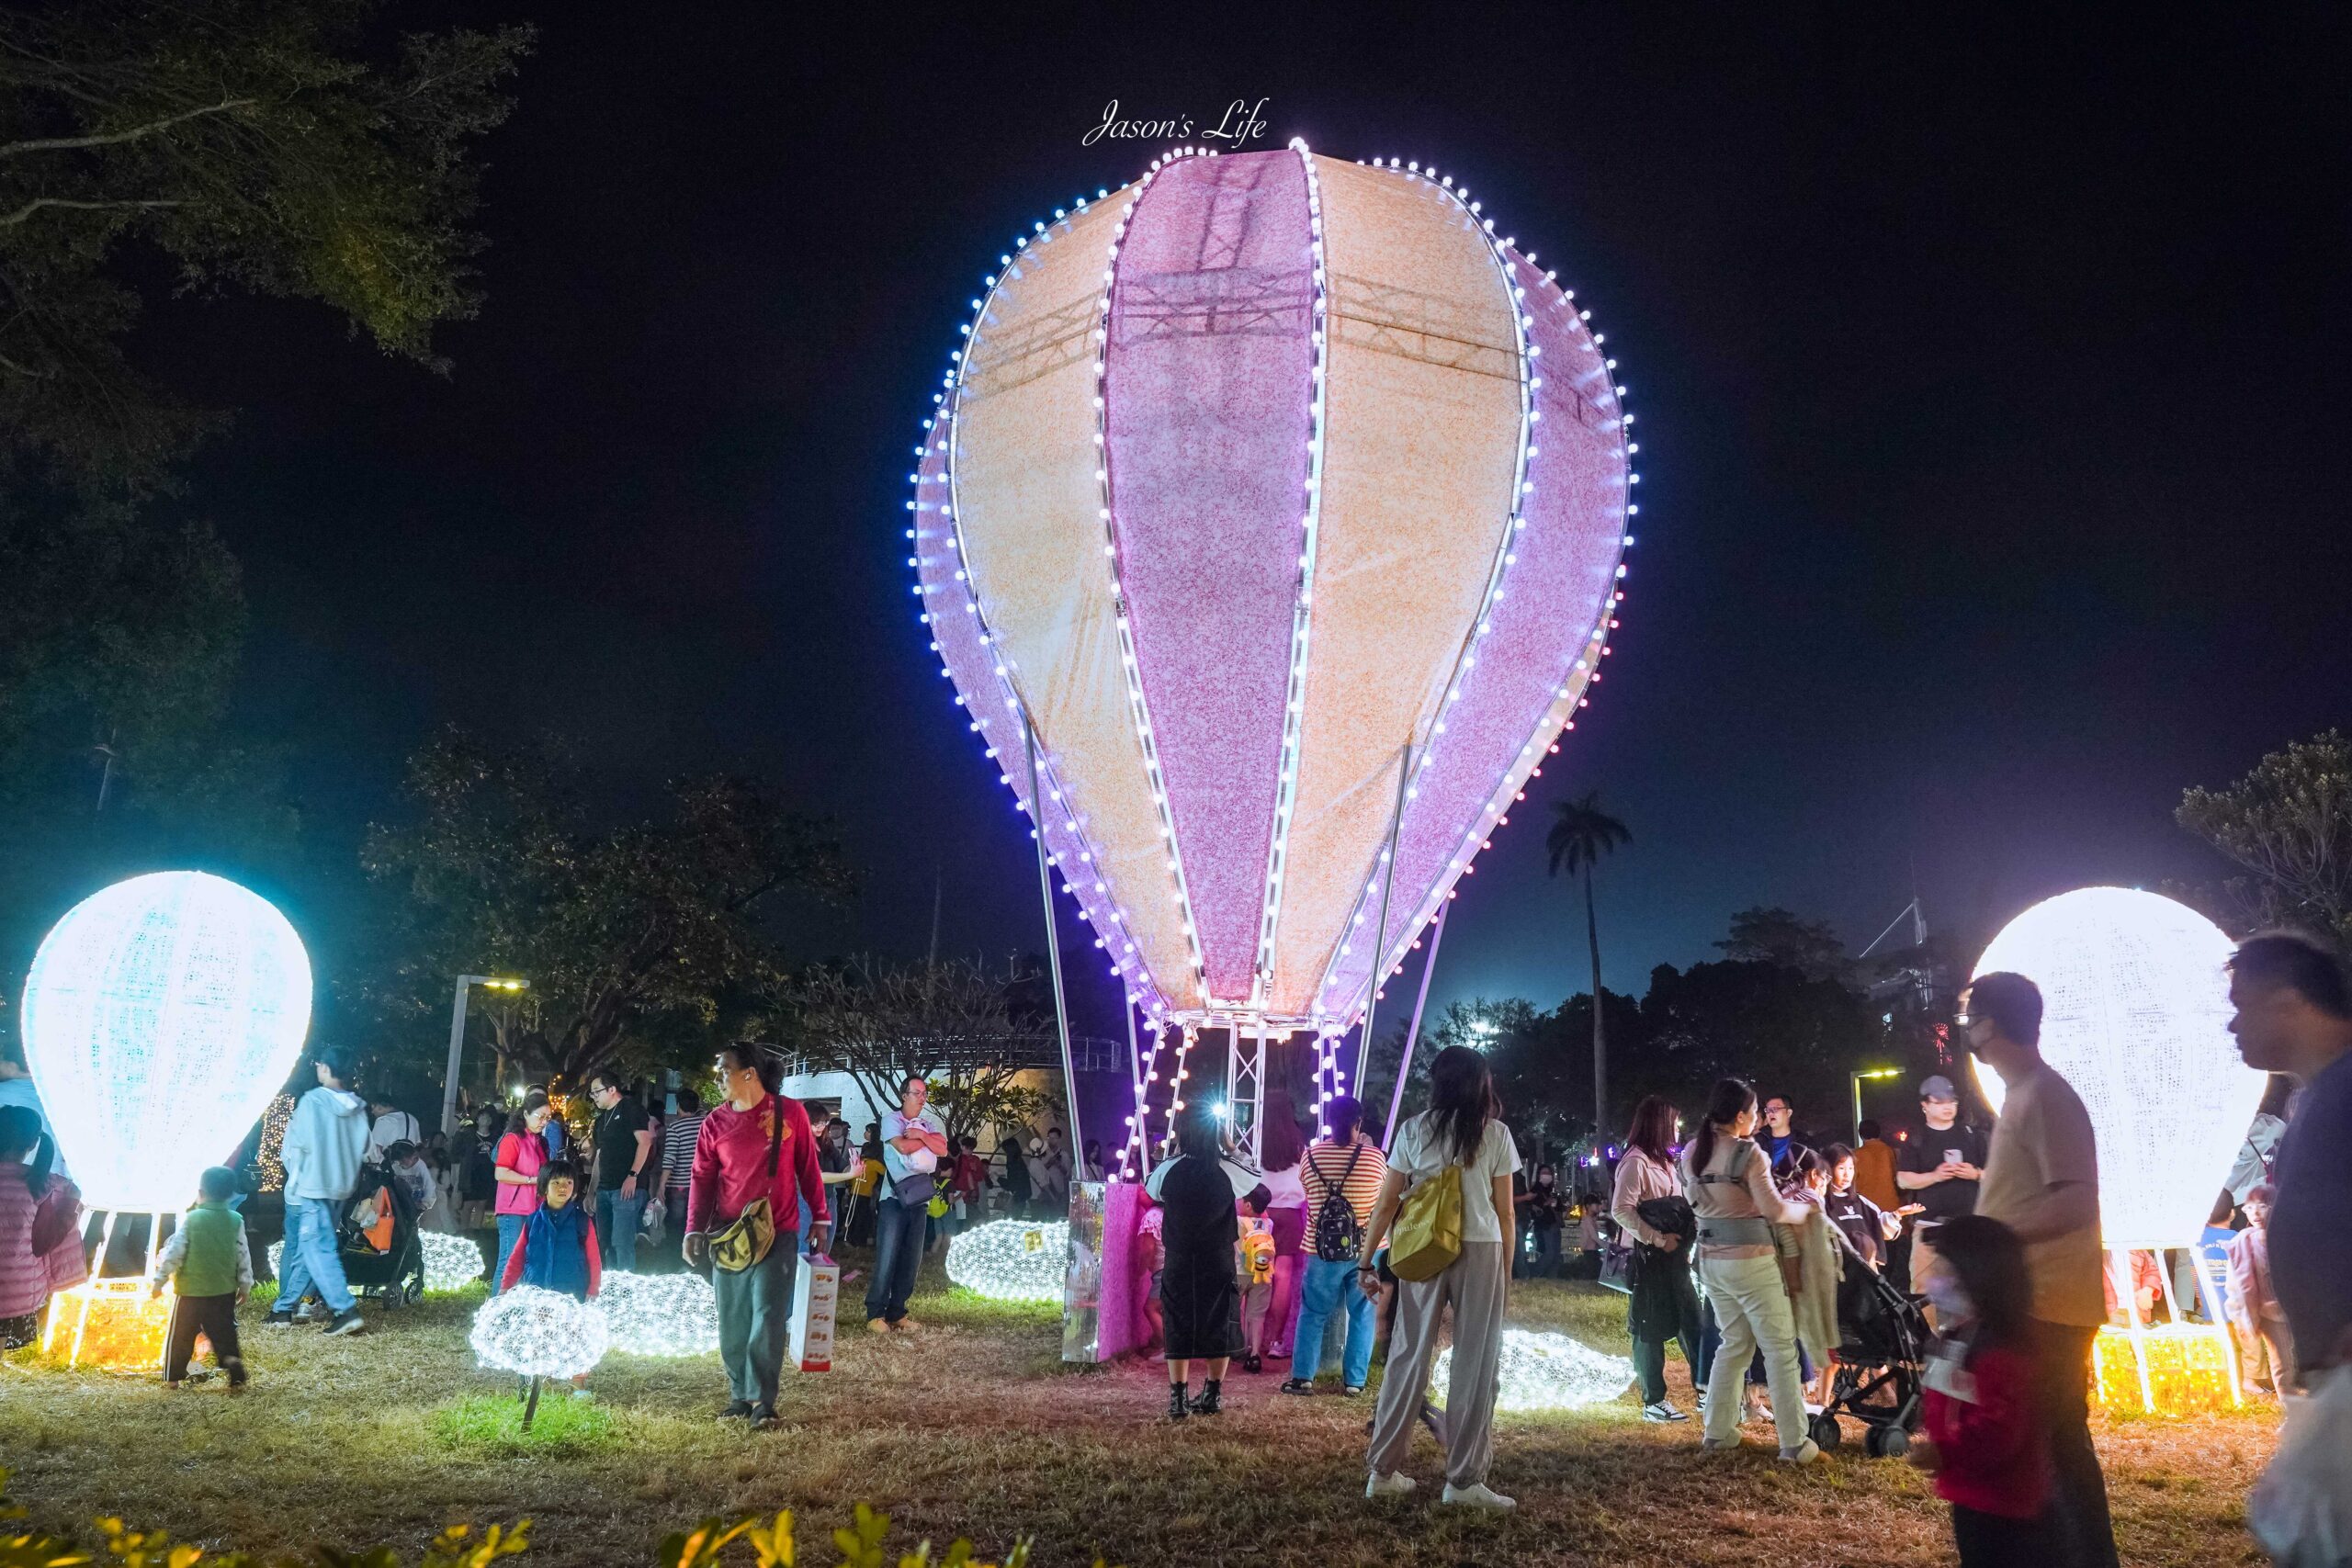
(1731, 1098)
(23, 1138)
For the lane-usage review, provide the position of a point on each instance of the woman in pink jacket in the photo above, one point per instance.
(41, 1235)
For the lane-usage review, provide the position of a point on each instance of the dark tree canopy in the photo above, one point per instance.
(288, 147)
(624, 933)
(1812, 948)
(2289, 824)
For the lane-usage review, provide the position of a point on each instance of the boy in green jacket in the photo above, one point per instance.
(211, 1270)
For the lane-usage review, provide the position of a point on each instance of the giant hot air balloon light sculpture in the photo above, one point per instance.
(1277, 506)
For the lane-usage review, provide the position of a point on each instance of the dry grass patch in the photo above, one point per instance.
(975, 1428)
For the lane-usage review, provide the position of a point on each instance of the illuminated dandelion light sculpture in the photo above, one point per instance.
(1281, 502)
(161, 1016)
(658, 1315)
(1548, 1372)
(2136, 1011)
(536, 1334)
(1011, 1260)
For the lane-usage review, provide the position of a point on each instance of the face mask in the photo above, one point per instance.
(1950, 1302)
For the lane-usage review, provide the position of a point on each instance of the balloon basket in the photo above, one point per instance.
(2175, 1367)
(112, 1324)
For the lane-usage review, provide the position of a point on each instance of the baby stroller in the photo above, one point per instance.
(1882, 1338)
(383, 1258)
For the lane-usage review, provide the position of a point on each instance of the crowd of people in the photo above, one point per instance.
(1735, 1239)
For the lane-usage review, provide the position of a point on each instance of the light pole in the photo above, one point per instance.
(465, 983)
(1856, 1079)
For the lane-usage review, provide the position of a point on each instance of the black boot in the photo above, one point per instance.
(1211, 1401)
(1177, 1409)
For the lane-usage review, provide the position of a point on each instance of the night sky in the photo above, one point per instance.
(1992, 379)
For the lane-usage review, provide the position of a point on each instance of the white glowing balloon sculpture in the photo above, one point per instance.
(1011, 1260)
(1548, 1372)
(451, 1262)
(658, 1315)
(538, 1333)
(2135, 1015)
(161, 1016)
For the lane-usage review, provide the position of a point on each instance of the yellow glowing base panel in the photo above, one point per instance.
(108, 1323)
(2188, 1365)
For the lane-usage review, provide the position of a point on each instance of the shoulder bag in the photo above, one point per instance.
(746, 1239)
(1426, 1236)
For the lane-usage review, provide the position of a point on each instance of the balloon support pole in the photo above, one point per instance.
(530, 1392)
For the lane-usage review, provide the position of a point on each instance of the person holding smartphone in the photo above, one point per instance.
(1939, 1168)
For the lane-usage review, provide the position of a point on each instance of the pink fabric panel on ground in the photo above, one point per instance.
(1209, 410)
(1554, 594)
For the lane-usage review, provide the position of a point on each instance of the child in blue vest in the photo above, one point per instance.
(211, 1270)
(557, 1250)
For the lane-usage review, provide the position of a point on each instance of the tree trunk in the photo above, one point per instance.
(1600, 1042)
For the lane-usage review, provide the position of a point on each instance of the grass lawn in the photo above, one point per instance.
(974, 1428)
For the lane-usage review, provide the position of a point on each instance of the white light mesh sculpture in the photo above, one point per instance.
(2135, 1015)
(1547, 1371)
(538, 1333)
(162, 1015)
(658, 1315)
(1011, 1260)
(451, 1262)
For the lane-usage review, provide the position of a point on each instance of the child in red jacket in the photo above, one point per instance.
(1983, 1442)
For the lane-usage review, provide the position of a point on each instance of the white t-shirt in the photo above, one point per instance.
(392, 1127)
(1417, 1157)
(1289, 1189)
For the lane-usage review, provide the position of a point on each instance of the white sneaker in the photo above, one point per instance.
(1805, 1452)
(1478, 1497)
(1723, 1445)
(1663, 1410)
(1395, 1485)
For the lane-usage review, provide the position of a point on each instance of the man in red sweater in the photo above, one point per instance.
(755, 1147)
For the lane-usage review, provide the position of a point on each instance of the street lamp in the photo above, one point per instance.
(1856, 1079)
(465, 983)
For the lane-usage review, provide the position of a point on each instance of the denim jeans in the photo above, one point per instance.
(1328, 1287)
(755, 1320)
(898, 1255)
(510, 1231)
(309, 1261)
(617, 1220)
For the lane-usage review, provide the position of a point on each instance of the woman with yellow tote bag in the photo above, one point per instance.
(1447, 1195)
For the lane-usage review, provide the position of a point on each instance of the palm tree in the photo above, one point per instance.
(1582, 833)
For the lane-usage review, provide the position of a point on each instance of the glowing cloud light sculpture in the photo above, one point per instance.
(1548, 1372)
(160, 1017)
(534, 1333)
(1011, 1260)
(658, 1315)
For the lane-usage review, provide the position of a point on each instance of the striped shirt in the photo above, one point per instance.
(678, 1148)
(1327, 1161)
